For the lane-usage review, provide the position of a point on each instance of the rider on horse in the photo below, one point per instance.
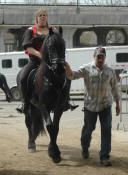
(32, 42)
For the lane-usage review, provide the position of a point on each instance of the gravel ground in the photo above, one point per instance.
(15, 159)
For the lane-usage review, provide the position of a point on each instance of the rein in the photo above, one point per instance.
(53, 61)
(53, 70)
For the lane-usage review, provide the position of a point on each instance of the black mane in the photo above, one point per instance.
(54, 46)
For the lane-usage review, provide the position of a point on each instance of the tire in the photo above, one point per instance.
(15, 93)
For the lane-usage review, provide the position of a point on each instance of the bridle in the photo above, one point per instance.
(53, 61)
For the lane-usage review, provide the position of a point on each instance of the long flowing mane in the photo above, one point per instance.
(53, 53)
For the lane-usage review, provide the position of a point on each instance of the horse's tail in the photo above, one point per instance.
(37, 122)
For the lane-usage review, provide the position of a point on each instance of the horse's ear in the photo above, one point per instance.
(51, 31)
(60, 30)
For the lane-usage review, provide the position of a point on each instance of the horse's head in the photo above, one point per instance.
(53, 51)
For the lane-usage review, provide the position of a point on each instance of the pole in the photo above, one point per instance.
(78, 8)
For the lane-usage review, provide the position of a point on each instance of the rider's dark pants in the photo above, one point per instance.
(90, 119)
(27, 69)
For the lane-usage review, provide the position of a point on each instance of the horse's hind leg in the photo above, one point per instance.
(35, 125)
(31, 137)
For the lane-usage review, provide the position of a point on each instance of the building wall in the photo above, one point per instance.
(19, 16)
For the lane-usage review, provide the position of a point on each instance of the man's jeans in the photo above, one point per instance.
(90, 119)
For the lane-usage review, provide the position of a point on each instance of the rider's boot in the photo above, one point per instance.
(24, 108)
(24, 97)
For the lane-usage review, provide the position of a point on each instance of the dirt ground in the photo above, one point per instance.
(16, 160)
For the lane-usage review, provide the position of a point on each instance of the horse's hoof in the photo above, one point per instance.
(31, 150)
(56, 159)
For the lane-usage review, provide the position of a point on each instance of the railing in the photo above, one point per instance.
(123, 103)
(68, 2)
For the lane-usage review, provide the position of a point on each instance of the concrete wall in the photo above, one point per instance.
(65, 15)
(16, 16)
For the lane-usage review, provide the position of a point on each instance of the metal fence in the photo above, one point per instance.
(123, 85)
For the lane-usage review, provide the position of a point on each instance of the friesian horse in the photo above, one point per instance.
(5, 88)
(47, 93)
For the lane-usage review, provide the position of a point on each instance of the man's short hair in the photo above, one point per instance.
(100, 51)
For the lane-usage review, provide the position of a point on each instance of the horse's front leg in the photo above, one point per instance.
(53, 148)
(31, 137)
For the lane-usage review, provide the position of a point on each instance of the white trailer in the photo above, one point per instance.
(116, 57)
(11, 63)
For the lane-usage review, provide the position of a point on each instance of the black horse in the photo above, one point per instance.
(48, 93)
(5, 88)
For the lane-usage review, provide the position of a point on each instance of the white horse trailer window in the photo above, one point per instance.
(122, 57)
(7, 63)
(22, 62)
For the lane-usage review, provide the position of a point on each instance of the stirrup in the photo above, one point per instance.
(20, 110)
(73, 107)
(23, 109)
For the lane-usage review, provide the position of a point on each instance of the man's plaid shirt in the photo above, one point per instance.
(100, 87)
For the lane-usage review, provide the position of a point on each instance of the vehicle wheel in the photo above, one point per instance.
(15, 93)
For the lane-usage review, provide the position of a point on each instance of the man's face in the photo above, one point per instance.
(100, 61)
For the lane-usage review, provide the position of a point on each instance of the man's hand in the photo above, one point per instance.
(117, 108)
(68, 70)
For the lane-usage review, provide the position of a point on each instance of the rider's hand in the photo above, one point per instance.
(40, 56)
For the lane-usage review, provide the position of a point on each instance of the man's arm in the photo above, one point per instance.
(68, 70)
(73, 75)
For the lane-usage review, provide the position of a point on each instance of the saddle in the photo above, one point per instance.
(32, 77)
